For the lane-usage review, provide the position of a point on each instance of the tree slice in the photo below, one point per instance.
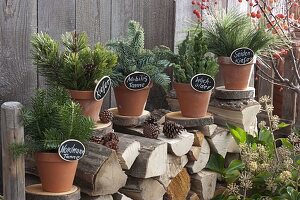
(102, 197)
(222, 93)
(122, 120)
(35, 192)
(102, 128)
(189, 122)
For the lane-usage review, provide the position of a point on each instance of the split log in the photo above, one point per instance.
(197, 166)
(179, 187)
(120, 196)
(179, 146)
(103, 197)
(241, 113)
(152, 160)
(102, 128)
(192, 196)
(208, 130)
(175, 165)
(188, 122)
(233, 147)
(35, 192)
(204, 184)
(219, 141)
(128, 121)
(128, 151)
(143, 189)
(99, 172)
(194, 154)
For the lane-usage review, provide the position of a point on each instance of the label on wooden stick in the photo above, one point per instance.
(137, 81)
(242, 56)
(102, 88)
(202, 83)
(71, 150)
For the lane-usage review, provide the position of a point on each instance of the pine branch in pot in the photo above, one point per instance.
(231, 31)
(137, 70)
(77, 67)
(53, 119)
(194, 70)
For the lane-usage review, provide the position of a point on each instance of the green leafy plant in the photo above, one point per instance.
(77, 66)
(52, 119)
(192, 58)
(264, 171)
(227, 32)
(134, 57)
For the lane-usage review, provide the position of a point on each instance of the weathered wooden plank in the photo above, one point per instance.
(12, 131)
(17, 75)
(55, 17)
(94, 18)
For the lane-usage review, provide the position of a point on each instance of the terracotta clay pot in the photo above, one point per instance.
(236, 77)
(56, 174)
(90, 107)
(130, 102)
(192, 103)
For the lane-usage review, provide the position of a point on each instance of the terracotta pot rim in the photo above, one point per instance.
(122, 86)
(51, 157)
(227, 60)
(82, 94)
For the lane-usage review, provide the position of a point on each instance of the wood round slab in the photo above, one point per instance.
(122, 120)
(35, 192)
(222, 93)
(102, 128)
(189, 122)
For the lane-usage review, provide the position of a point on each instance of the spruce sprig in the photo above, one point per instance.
(77, 66)
(132, 57)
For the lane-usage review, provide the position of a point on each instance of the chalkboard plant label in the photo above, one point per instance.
(242, 56)
(71, 150)
(102, 88)
(137, 81)
(202, 82)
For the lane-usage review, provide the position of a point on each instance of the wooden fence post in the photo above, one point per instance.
(12, 131)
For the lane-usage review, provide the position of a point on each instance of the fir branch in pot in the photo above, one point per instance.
(193, 58)
(53, 119)
(77, 67)
(133, 57)
(228, 32)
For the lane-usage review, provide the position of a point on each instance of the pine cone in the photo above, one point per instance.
(151, 128)
(109, 140)
(106, 116)
(172, 129)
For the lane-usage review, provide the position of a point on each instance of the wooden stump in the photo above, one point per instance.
(12, 132)
(35, 192)
(189, 122)
(219, 141)
(102, 128)
(200, 163)
(122, 120)
(204, 184)
(152, 160)
(179, 146)
(179, 187)
(222, 93)
(143, 189)
(99, 171)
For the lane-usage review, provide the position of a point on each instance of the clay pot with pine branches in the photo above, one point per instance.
(77, 67)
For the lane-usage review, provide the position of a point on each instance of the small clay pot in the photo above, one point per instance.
(131, 102)
(56, 174)
(192, 103)
(236, 77)
(89, 106)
